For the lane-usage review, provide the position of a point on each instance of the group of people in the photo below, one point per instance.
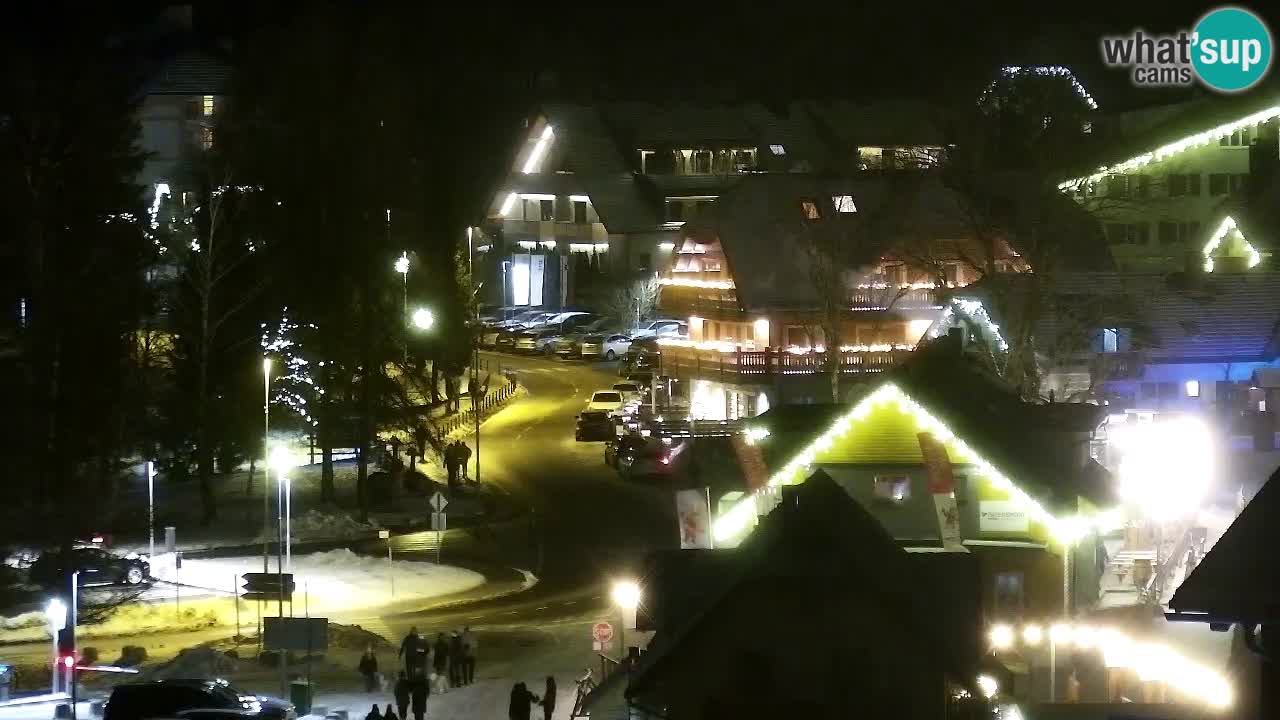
(522, 701)
(457, 455)
(428, 667)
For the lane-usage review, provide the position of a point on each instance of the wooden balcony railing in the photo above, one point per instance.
(880, 298)
(745, 365)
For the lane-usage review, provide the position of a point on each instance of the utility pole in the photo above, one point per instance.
(475, 348)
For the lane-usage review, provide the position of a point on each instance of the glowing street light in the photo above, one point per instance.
(1032, 634)
(282, 461)
(626, 595)
(402, 263)
(56, 613)
(266, 438)
(1001, 637)
(423, 319)
(1167, 467)
(988, 686)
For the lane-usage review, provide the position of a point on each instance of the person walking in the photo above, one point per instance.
(390, 714)
(464, 454)
(549, 699)
(374, 714)
(419, 693)
(402, 693)
(413, 649)
(369, 669)
(451, 463)
(468, 655)
(442, 662)
(456, 659)
(522, 700)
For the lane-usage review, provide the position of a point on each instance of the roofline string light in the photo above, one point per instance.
(706, 284)
(1064, 529)
(976, 312)
(539, 149)
(1228, 224)
(727, 346)
(1165, 151)
(1046, 71)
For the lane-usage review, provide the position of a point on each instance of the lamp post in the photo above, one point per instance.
(626, 595)
(56, 613)
(402, 267)
(282, 461)
(475, 347)
(266, 434)
(151, 511)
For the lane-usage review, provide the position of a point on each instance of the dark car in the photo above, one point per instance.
(506, 340)
(96, 567)
(194, 699)
(594, 425)
(619, 453)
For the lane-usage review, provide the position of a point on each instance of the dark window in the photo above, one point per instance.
(701, 207)
(1148, 392)
(1144, 187)
(1239, 182)
(644, 261)
(1168, 392)
(580, 211)
(675, 210)
(564, 209)
(548, 209)
(1193, 184)
(1219, 183)
(1118, 186)
(1167, 233)
(893, 488)
(1177, 184)
(1010, 594)
(702, 162)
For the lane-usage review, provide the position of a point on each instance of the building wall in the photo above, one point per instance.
(1113, 206)
(170, 125)
(1163, 386)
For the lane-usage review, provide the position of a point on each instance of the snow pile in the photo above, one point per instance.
(197, 662)
(340, 580)
(321, 525)
(35, 618)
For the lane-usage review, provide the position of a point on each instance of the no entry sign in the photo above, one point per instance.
(602, 632)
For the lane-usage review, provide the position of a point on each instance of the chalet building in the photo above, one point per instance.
(1177, 187)
(750, 277)
(1021, 477)
(596, 195)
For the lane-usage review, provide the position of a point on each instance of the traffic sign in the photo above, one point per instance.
(438, 521)
(602, 632)
(384, 534)
(266, 586)
(438, 501)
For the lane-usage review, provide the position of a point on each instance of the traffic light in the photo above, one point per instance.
(266, 586)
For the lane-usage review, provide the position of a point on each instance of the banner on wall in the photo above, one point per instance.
(537, 276)
(942, 485)
(693, 512)
(1002, 516)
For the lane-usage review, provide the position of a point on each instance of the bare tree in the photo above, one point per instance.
(634, 301)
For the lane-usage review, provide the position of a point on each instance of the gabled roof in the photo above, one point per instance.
(194, 72)
(820, 531)
(1239, 579)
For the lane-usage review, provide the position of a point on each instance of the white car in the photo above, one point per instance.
(630, 391)
(610, 347)
(659, 328)
(609, 401)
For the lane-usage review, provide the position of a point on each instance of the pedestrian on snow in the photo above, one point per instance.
(442, 662)
(369, 669)
(468, 656)
(401, 693)
(451, 464)
(374, 714)
(413, 649)
(521, 702)
(390, 714)
(419, 694)
(456, 659)
(464, 454)
(549, 699)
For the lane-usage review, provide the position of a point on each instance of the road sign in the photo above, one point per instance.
(266, 586)
(602, 632)
(438, 501)
(303, 634)
(438, 521)
(384, 534)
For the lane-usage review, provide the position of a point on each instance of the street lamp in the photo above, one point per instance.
(56, 613)
(423, 319)
(402, 267)
(282, 461)
(266, 435)
(626, 595)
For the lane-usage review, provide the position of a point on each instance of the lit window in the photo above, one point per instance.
(844, 203)
(777, 150)
(810, 210)
(1193, 388)
(893, 488)
(206, 138)
(206, 105)
(1110, 340)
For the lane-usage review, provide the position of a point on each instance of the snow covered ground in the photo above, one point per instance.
(328, 582)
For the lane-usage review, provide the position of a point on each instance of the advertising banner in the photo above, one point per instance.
(693, 512)
(942, 485)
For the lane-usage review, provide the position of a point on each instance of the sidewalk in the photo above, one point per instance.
(482, 700)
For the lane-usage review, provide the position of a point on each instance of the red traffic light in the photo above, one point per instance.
(68, 660)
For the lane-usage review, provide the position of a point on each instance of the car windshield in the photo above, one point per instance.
(606, 397)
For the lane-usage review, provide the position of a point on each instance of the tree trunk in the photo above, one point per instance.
(248, 482)
(325, 437)
(366, 389)
(204, 456)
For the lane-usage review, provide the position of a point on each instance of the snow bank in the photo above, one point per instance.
(340, 580)
(322, 525)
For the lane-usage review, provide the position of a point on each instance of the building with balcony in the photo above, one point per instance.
(781, 260)
(596, 195)
(1164, 180)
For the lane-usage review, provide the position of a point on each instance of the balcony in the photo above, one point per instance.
(905, 298)
(1116, 366)
(741, 365)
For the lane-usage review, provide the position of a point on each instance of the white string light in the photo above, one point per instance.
(708, 284)
(1228, 226)
(1061, 71)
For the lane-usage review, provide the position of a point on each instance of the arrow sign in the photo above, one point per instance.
(439, 502)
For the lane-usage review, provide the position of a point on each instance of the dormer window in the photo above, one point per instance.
(844, 203)
(810, 210)
(777, 150)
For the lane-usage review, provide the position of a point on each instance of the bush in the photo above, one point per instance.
(132, 656)
(89, 656)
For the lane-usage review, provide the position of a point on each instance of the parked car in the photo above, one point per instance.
(660, 328)
(191, 699)
(96, 567)
(534, 341)
(609, 347)
(506, 341)
(609, 401)
(630, 390)
(570, 345)
(520, 319)
(656, 459)
(594, 425)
